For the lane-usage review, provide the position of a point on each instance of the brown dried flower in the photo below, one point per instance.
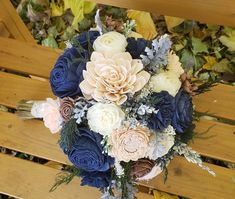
(187, 85)
(66, 107)
(142, 167)
(113, 24)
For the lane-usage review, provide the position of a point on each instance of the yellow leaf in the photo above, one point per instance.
(144, 23)
(78, 8)
(89, 7)
(134, 34)
(171, 22)
(163, 195)
(56, 10)
(229, 40)
(210, 62)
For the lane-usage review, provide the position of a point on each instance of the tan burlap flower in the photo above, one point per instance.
(129, 143)
(110, 76)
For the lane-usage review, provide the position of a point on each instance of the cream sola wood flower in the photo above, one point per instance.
(129, 143)
(168, 80)
(111, 76)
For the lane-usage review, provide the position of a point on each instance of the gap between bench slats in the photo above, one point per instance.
(33, 138)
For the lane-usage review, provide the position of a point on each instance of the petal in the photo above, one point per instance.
(142, 79)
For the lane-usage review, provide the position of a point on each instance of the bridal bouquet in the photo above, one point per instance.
(124, 109)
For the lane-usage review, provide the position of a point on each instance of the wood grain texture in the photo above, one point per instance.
(186, 179)
(3, 30)
(220, 101)
(14, 24)
(31, 137)
(29, 180)
(27, 58)
(18, 135)
(14, 88)
(217, 142)
(220, 12)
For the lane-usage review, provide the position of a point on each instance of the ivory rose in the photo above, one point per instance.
(129, 143)
(110, 42)
(165, 81)
(105, 118)
(174, 65)
(110, 76)
(51, 115)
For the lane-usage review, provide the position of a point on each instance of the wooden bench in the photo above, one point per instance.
(29, 180)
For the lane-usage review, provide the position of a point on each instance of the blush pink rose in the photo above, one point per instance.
(51, 115)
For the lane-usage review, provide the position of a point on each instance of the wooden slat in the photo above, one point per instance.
(26, 88)
(29, 180)
(3, 30)
(220, 101)
(14, 23)
(27, 58)
(220, 12)
(186, 179)
(18, 135)
(214, 102)
(14, 88)
(38, 60)
(217, 143)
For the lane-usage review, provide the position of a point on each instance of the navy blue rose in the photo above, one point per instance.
(85, 39)
(136, 47)
(164, 103)
(66, 75)
(96, 179)
(183, 114)
(86, 152)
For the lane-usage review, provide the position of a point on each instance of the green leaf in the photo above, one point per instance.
(187, 59)
(222, 66)
(198, 46)
(50, 42)
(185, 27)
(52, 31)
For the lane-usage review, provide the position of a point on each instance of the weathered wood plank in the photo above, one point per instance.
(186, 179)
(14, 23)
(3, 30)
(219, 101)
(214, 102)
(25, 179)
(18, 135)
(31, 137)
(37, 180)
(220, 12)
(217, 143)
(14, 88)
(26, 57)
